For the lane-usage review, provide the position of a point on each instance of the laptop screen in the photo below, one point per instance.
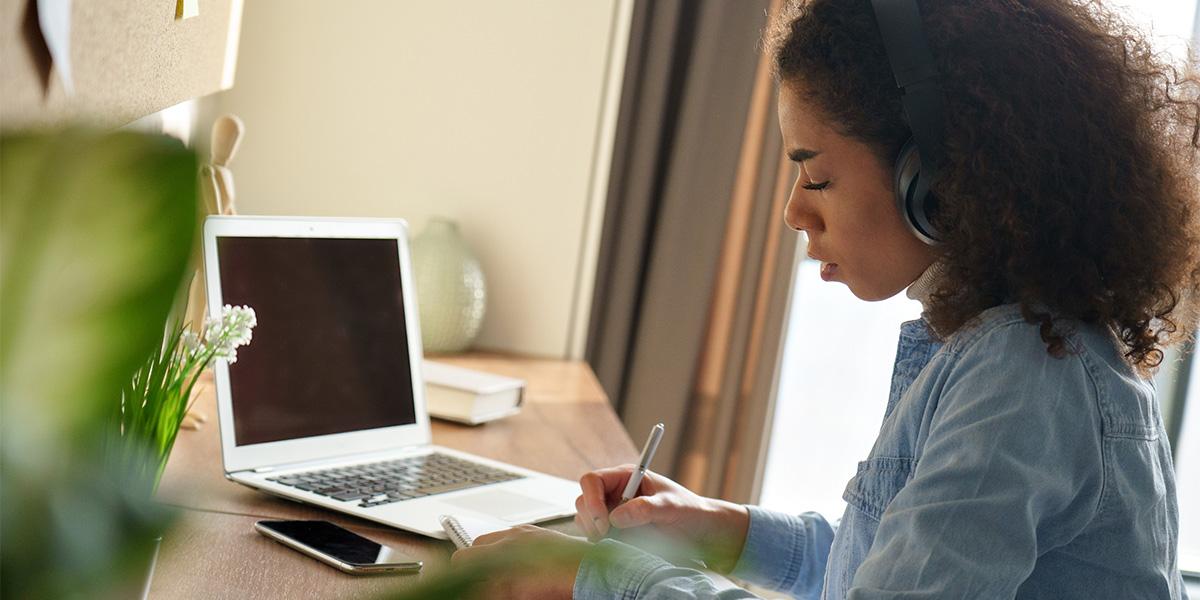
(330, 353)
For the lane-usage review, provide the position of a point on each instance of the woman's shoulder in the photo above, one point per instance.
(1002, 349)
(996, 322)
(1006, 327)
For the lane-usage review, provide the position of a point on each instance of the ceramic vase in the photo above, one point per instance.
(451, 291)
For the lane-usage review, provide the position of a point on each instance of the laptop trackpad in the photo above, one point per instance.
(502, 505)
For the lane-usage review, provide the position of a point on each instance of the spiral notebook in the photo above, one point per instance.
(463, 530)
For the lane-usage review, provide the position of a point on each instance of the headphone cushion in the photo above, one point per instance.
(905, 174)
(912, 197)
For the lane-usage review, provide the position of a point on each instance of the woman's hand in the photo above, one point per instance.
(715, 529)
(525, 562)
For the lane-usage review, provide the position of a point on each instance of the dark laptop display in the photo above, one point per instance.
(330, 351)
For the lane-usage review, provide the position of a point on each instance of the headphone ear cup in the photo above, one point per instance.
(913, 198)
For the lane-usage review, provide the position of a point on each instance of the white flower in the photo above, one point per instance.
(191, 344)
(224, 336)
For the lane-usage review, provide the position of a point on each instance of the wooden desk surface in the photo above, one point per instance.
(566, 428)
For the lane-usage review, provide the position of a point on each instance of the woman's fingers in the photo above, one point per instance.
(642, 510)
(593, 506)
(597, 486)
(601, 495)
(495, 536)
(583, 520)
(473, 553)
(613, 479)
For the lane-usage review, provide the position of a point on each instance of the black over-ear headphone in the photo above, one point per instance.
(917, 76)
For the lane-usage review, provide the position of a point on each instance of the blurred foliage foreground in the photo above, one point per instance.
(96, 231)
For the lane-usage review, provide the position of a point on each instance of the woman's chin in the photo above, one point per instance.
(869, 293)
(864, 295)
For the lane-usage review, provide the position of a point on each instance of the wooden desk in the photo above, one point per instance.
(566, 428)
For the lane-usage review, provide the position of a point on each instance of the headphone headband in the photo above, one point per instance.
(904, 38)
(917, 77)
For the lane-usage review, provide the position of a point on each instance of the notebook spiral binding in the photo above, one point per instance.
(455, 530)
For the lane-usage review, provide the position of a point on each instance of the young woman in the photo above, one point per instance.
(1022, 452)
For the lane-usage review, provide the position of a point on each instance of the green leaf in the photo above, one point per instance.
(95, 235)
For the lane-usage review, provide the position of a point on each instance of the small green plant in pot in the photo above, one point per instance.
(155, 400)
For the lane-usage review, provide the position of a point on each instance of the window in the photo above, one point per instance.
(1172, 22)
(837, 368)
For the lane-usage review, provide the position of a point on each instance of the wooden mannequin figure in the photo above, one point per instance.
(226, 136)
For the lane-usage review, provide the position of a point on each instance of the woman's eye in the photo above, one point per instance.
(815, 186)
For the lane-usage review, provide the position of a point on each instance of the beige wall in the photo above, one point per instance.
(497, 114)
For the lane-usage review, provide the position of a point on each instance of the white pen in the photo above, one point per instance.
(635, 480)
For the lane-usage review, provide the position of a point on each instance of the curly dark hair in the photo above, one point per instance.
(1070, 184)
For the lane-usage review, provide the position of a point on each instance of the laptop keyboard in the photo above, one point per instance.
(390, 481)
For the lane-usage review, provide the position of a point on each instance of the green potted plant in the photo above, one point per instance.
(152, 404)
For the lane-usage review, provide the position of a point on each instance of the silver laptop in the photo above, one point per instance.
(326, 404)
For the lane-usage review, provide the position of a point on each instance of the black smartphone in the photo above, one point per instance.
(338, 546)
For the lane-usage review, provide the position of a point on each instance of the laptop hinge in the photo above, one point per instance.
(313, 463)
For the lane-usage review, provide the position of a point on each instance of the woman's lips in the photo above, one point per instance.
(828, 270)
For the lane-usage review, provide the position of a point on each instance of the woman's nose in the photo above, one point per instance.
(799, 214)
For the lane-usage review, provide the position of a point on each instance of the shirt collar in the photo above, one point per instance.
(922, 289)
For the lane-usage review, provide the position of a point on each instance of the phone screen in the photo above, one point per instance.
(342, 544)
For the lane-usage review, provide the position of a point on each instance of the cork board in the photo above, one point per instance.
(130, 58)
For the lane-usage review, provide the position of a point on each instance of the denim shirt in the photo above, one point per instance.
(999, 472)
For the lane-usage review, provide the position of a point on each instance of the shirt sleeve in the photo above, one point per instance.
(782, 552)
(1012, 467)
(786, 553)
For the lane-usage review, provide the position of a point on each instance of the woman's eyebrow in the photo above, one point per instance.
(802, 154)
